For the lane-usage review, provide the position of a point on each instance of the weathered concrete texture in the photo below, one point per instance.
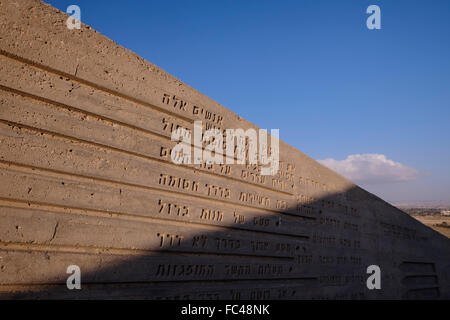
(86, 179)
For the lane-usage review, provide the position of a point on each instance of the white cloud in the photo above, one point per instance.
(371, 169)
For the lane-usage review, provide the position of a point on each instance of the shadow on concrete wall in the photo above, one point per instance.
(314, 251)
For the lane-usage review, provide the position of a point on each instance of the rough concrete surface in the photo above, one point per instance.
(86, 179)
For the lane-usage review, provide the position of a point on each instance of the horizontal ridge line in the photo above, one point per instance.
(130, 216)
(123, 150)
(171, 192)
(19, 246)
(90, 84)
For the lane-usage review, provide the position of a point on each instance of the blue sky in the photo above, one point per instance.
(314, 70)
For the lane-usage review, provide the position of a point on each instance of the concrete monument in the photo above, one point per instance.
(87, 180)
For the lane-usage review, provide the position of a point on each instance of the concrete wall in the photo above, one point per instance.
(86, 179)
